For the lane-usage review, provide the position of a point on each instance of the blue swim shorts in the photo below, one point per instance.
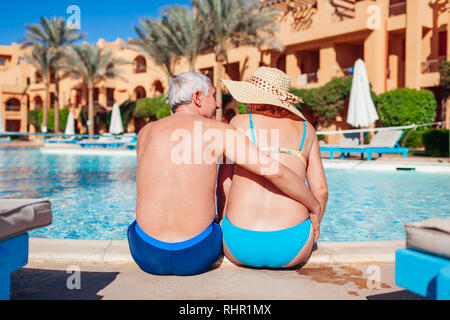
(189, 257)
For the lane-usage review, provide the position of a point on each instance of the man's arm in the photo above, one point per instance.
(317, 182)
(252, 159)
(224, 181)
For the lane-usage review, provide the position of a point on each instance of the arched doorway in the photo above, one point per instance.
(38, 103)
(139, 93)
(158, 87)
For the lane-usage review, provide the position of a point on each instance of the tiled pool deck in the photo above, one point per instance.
(336, 270)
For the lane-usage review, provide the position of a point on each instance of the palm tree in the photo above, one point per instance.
(54, 34)
(154, 43)
(232, 23)
(186, 36)
(92, 65)
(44, 60)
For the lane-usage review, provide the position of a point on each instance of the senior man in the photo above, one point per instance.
(175, 231)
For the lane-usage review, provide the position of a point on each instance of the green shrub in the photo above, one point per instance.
(444, 71)
(242, 108)
(164, 112)
(436, 142)
(126, 110)
(401, 107)
(100, 116)
(36, 117)
(151, 107)
(327, 101)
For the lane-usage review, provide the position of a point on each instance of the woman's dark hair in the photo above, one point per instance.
(271, 111)
(229, 114)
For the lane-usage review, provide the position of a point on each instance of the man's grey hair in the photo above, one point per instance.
(183, 87)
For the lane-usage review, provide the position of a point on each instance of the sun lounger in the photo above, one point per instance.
(424, 267)
(382, 142)
(16, 218)
(5, 139)
(61, 140)
(104, 142)
(109, 141)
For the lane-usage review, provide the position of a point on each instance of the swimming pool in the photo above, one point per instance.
(94, 196)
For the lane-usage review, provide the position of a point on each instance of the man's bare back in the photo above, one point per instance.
(175, 201)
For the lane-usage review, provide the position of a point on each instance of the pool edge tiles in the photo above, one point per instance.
(117, 252)
(88, 152)
(386, 166)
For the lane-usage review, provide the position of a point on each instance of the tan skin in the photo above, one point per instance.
(238, 188)
(176, 202)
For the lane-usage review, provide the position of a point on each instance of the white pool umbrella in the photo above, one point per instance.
(116, 126)
(361, 109)
(70, 126)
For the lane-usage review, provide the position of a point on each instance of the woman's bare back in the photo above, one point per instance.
(253, 202)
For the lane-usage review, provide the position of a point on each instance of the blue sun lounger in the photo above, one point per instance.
(5, 139)
(17, 217)
(109, 141)
(424, 266)
(382, 142)
(61, 140)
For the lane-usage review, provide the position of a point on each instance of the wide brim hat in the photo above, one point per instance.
(266, 86)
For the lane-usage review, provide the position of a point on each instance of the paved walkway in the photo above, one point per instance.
(228, 282)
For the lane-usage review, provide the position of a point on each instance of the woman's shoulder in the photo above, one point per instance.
(240, 120)
(310, 127)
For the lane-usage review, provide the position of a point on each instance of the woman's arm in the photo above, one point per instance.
(224, 179)
(317, 182)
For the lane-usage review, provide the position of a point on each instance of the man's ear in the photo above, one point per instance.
(196, 98)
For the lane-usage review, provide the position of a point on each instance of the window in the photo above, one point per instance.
(209, 72)
(140, 65)
(13, 105)
(38, 77)
(110, 97)
(442, 43)
(2, 61)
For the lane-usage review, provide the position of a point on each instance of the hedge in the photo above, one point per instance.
(154, 108)
(401, 107)
(36, 117)
(327, 101)
(436, 142)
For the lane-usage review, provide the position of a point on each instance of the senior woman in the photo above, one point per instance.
(262, 227)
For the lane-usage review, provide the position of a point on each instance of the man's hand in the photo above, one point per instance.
(315, 222)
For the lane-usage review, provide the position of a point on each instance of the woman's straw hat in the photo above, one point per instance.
(266, 86)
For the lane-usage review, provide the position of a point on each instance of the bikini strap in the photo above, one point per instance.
(252, 128)
(304, 135)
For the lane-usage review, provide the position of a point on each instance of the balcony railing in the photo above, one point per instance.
(432, 65)
(397, 9)
(306, 78)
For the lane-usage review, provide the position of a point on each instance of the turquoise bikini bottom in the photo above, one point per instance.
(271, 249)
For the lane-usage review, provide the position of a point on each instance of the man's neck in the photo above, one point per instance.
(187, 109)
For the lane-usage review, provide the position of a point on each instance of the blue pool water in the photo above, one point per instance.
(94, 197)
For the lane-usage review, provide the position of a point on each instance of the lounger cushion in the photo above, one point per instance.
(20, 215)
(431, 236)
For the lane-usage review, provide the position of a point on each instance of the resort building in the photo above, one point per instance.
(402, 43)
